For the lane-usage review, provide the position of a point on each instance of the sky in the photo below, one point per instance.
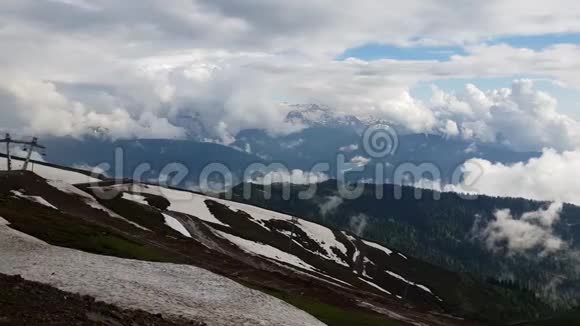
(489, 71)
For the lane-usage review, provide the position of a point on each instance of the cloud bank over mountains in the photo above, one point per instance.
(551, 177)
(140, 68)
(522, 117)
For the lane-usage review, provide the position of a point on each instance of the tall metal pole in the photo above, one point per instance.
(32, 145)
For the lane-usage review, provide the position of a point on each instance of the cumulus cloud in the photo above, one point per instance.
(522, 117)
(549, 177)
(450, 129)
(228, 67)
(41, 109)
(532, 232)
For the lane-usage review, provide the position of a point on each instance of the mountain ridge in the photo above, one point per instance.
(131, 211)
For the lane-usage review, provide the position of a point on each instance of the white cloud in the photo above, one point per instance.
(358, 224)
(326, 28)
(103, 66)
(41, 109)
(450, 129)
(532, 231)
(294, 177)
(330, 205)
(360, 160)
(549, 177)
(522, 116)
(349, 148)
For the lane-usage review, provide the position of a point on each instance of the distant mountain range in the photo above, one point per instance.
(314, 115)
(326, 135)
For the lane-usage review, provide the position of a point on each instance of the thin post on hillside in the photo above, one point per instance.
(7, 140)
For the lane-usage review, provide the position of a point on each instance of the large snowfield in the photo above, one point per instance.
(169, 289)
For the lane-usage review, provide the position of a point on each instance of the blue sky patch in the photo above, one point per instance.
(537, 42)
(372, 52)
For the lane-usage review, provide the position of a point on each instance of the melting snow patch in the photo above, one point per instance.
(322, 235)
(266, 251)
(375, 286)
(397, 276)
(136, 198)
(325, 238)
(379, 247)
(95, 204)
(181, 201)
(68, 188)
(36, 199)
(176, 225)
(89, 200)
(368, 261)
(352, 240)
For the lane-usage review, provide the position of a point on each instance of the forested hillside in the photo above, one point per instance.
(445, 229)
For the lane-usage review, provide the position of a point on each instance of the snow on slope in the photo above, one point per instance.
(266, 251)
(322, 235)
(176, 225)
(89, 200)
(397, 276)
(379, 247)
(136, 198)
(181, 201)
(36, 199)
(68, 188)
(51, 173)
(353, 242)
(375, 286)
(170, 289)
(194, 204)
